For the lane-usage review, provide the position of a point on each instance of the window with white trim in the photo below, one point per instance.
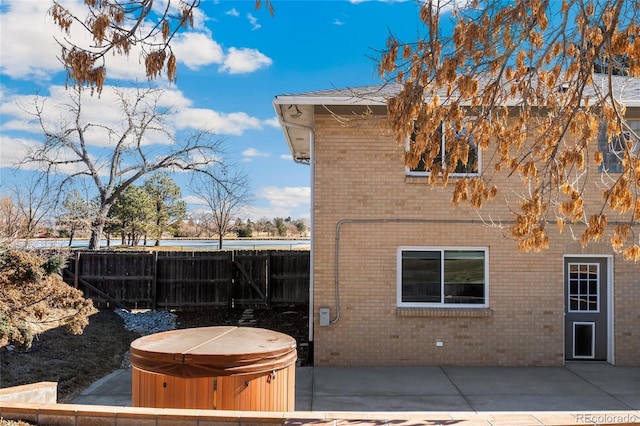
(442, 277)
(613, 150)
(472, 168)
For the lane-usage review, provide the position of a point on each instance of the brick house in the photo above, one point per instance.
(380, 231)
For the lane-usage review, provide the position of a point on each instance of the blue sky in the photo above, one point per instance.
(230, 67)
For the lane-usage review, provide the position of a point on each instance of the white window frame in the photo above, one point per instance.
(441, 304)
(597, 293)
(410, 172)
(613, 152)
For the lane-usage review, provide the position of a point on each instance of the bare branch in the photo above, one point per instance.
(116, 157)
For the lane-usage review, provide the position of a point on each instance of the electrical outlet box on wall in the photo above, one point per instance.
(324, 316)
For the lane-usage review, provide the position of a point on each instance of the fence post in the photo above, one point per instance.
(267, 278)
(77, 271)
(154, 281)
(231, 279)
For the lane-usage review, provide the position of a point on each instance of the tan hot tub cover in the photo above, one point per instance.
(213, 351)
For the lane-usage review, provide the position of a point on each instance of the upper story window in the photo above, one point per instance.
(448, 138)
(442, 277)
(613, 151)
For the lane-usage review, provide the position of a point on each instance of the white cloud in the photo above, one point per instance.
(250, 153)
(57, 113)
(194, 200)
(235, 123)
(197, 49)
(28, 48)
(290, 197)
(254, 22)
(272, 122)
(286, 157)
(17, 111)
(13, 150)
(232, 12)
(30, 52)
(244, 60)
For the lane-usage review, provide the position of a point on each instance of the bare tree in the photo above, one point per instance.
(34, 202)
(263, 225)
(196, 225)
(113, 157)
(224, 197)
(515, 80)
(116, 27)
(10, 221)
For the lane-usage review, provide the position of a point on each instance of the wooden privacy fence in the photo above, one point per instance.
(176, 279)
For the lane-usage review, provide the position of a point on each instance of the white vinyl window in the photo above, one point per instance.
(472, 168)
(442, 277)
(613, 150)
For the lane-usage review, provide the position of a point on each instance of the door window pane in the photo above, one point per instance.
(583, 287)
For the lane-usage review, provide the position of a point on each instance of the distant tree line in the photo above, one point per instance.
(151, 211)
(200, 225)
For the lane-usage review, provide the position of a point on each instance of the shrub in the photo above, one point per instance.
(35, 296)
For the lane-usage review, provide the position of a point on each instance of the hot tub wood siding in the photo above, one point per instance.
(254, 392)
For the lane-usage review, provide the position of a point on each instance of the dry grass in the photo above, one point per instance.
(73, 361)
(76, 361)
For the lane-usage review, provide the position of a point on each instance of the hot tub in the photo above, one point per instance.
(223, 368)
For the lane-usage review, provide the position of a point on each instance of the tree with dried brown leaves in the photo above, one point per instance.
(116, 27)
(34, 297)
(542, 90)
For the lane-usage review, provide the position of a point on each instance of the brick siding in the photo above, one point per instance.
(359, 175)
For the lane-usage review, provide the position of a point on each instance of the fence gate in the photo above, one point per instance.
(250, 277)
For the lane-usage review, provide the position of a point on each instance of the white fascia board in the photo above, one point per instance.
(312, 100)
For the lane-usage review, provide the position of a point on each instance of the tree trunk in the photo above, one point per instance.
(94, 241)
(98, 226)
(220, 242)
(159, 232)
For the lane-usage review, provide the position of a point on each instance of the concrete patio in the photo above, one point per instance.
(577, 387)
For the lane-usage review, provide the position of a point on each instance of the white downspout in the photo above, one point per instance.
(311, 211)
